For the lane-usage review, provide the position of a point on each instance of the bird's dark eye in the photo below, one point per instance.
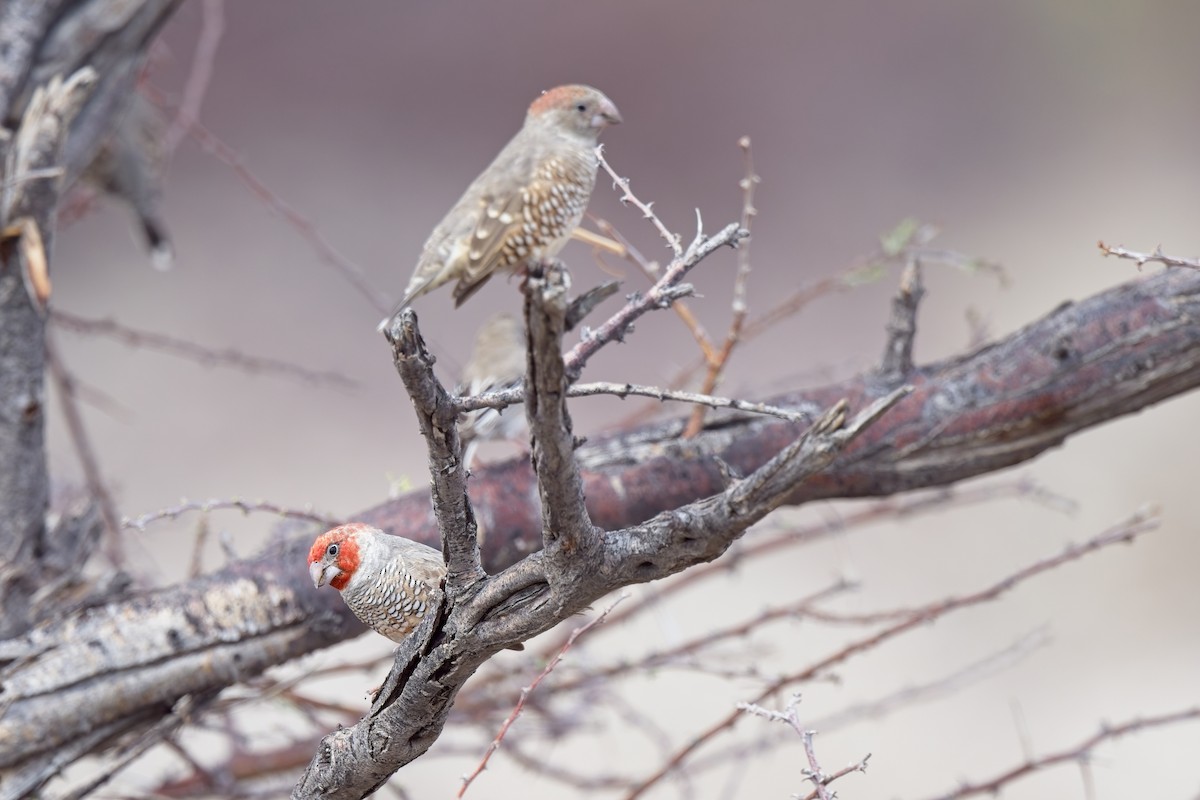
(581, 108)
(332, 549)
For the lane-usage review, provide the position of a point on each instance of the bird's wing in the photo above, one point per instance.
(500, 239)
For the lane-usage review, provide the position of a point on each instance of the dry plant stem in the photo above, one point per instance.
(93, 475)
(38, 144)
(527, 690)
(717, 359)
(1122, 533)
(1142, 258)
(1078, 753)
(206, 356)
(578, 564)
(876, 710)
(814, 773)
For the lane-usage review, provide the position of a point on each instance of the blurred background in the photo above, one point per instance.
(1025, 130)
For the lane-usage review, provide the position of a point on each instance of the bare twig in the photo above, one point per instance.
(653, 270)
(939, 687)
(206, 356)
(660, 658)
(183, 710)
(672, 239)
(1142, 258)
(330, 256)
(501, 399)
(661, 295)
(717, 359)
(245, 506)
(1124, 532)
(93, 476)
(527, 690)
(212, 27)
(1080, 752)
(791, 716)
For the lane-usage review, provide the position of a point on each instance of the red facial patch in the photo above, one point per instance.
(346, 538)
(558, 97)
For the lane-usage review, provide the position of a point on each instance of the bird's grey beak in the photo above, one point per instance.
(607, 115)
(320, 575)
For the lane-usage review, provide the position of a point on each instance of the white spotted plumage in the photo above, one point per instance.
(388, 582)
(524, 206)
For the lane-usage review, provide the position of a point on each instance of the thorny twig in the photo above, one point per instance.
(245, 506)
(715, 359)
(662, 294)
(672, 239)
(907, 241)
(1141, 258)
(791, 716)
(652, 270)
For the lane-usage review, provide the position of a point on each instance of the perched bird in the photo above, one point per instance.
(389, 582)
(129, 165)
(497, 362)
(524, 206)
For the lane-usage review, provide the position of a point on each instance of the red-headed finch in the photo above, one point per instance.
(389, 582)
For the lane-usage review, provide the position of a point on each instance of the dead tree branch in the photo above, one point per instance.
(578, 564)
(1081, 365)
(66, 70)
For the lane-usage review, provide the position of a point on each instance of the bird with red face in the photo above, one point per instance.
(524, 206)
(388, 582)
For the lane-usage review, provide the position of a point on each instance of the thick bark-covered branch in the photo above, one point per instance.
(567, 530)
(27, 209)
(578, 565)
(437, 419)
(66, 69)
(1081, 365)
